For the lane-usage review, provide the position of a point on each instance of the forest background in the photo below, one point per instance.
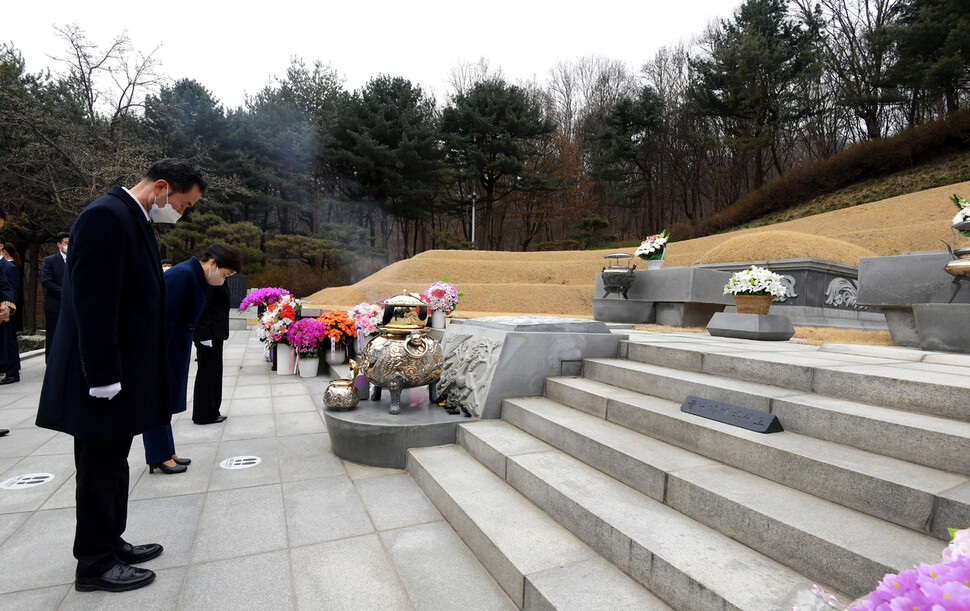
(322, 186)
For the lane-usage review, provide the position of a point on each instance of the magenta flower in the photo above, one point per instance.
(929, 587)
(307, 335)
(262, 297)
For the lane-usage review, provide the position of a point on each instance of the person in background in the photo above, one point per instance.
(13, 270)
(107, 377)
(7, 305)
(210, 333)
(185, 296)
(52, 277)
(167, 264)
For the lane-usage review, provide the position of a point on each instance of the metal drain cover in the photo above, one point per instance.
(26, 481)
(240, 462)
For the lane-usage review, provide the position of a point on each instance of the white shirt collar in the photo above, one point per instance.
(63, 255)
(140, 207)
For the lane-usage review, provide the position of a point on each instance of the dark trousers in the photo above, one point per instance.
(208, 382)
(102, 503)
(159, 444)
(51, 325)
(10, 351)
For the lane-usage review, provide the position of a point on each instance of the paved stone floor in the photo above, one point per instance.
(302, 529)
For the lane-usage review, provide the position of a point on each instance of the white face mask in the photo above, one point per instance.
(166, 214)
(62, 248)
(215, 277)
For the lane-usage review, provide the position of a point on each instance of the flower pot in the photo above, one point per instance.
(337, 357)
(308, 366)
(286, 357)
(753, 304)
(654, 263)
(437, 319)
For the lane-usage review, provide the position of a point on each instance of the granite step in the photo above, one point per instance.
(827, 542)
(917, 497)
(876, 378)
(536, 561)
(931, 441)
(684, 562)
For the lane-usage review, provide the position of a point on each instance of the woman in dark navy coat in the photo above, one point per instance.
(13, 268)
(185, 296)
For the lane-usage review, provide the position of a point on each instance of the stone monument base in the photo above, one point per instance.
(633, 311)
(943, 326)
(370, 435)
(767, 327)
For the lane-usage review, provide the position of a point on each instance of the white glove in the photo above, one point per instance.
(207, 343)
(105, 392)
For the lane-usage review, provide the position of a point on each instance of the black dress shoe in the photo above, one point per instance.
(10, 379)
(216, 421)
(166, 469)
(136, 554)
(183, 461)
(4, 432)
(119, 578)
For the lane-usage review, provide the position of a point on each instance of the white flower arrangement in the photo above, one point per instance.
(755, 281)
(654, 247)
(964, 206)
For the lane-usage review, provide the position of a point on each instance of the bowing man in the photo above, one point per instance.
(107, 375)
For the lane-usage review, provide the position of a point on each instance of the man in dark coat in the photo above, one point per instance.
(107, 377)
(52, 277)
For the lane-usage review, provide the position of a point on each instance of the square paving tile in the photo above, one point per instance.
(41, 551)
(266, 472)
(24, 441)
(194, 480)
(61, 466)
(248, 407)
(248, 427)
(431, 559)
(10, 522)
(170, 521)
(350, 575)
(240, 522)
(254, 582)
(394, 501)
(299, 423)
(39, 599)
(307, 457)
(14, 418)
(253, 392)
(325, 509)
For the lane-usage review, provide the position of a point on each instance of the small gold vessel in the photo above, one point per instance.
(341, 395)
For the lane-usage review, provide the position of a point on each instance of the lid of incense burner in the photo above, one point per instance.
(616, 267)
(405, 311)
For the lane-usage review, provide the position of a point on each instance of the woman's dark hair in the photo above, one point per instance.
(225, 256)
(178, 173)
(12, 251)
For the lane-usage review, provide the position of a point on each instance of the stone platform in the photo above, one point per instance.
(764, 327)
(676, 296)
(370, 435)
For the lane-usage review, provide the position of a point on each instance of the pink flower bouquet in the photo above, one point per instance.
(308, 336)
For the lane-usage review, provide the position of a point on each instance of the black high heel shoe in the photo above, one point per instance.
(183, 461)
(166, 469)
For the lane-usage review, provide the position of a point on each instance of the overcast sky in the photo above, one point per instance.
(235, 48)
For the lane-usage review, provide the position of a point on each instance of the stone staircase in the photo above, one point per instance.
(602, 494)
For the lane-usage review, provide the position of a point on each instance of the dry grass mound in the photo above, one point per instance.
(561, 283)
(784, 245)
